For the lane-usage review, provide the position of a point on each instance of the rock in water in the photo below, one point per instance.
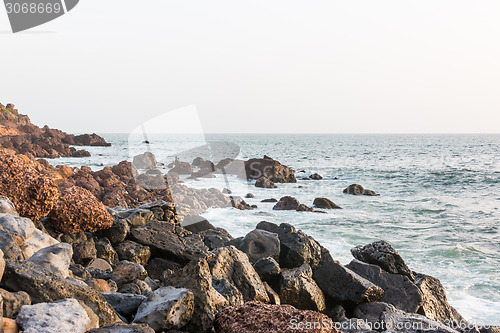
(287, 203)
(166, 308)
(325, 203)
(300, 290)
(7, 207)
(55, 258)
(382, 254)
(269, 168)
(145, 161)
(79, 210)
(60, 317)
(315, 176)
(264, 183)
(356, 189)
(33, 194)
(255, 317)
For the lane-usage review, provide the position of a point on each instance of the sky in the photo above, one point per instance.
(260, 66)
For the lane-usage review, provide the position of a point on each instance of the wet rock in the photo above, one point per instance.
(259, 244)
(382, 254)
(325, 204)
(264, 182)
(267, 226)
(342, 284)
(124, 304)
(315, 176)
(269, 168)
(127, 271)
(166, 308)
(254, 317)
(123, 328)
(356, 189)
(80, 153)
(435, 305)
(39, 318)
(269, 200)
(169, 240)
(145, 161)
(43, 286)
(33, 194)
(133, 252)
(12, 302)
(84, 252)
(104, 250)
(298, 288)
(55, 259)
(7, 207)
(157, 266)
(398, 289)
(78, 210)
(297, 248)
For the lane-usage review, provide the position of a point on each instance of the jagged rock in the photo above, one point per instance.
(133, 252)
(269, 168)
(215, 238)
(255, 317)
(78, 210)
(84, 252)
(228, 291)
(90, 140)
(39, 318)
(167, 239)
(124, 304)
(356, 189)
(300, 290)
(342, 284)
(145, 161)
(267, 226)
(297, 248)
(55, 258)
(12, 302)
(398, 289)
(273, 296)
(259, 244)
(138, 217)
(79, 271)
(435, 305)
(325, 203)
(157, 266)
(166, 308)
(127, 271)
(287, 203)
(124, 328)
(265, 183)
(104, 250)
(43, 286)
(268, 269)
(196, 223)
(388, 317)
(315, 176)
(33, 194)
(382, 254)
(7, 207)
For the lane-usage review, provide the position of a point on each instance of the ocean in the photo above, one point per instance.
(438, 205)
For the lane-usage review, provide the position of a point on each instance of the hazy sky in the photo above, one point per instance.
(261, 66)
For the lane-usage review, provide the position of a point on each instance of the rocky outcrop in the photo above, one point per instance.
(291, 203)
(325, 204)
(270, 169)
(78, 210)
(90, 140)
(356, 189)
(34, 195)
(255, 317)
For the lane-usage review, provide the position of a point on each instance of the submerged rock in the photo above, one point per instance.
(315, 176)
(356, 189)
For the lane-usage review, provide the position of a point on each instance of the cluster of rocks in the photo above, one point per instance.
(291, 203)
(17, 133)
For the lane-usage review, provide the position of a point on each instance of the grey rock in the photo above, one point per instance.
(342, 284)
(215, 238)
(73, 239)
(39, 318)
(133, 252)
(228, 290)
(79, 271)
(166, 308)
(124, 328)
(267, 226)
(196, 223)
(315, 176)
(15, 225)
(298, 288)
(12, 302)
(269, 200)
(259, 244)
(7, 207)
(84, 251)
(384, 255)
(268, 269)
(105, 250)
(157, 266)
(124, 304)
(297, 248)
(398, 289)
(145, 161)
(55, 258)
(168, 240)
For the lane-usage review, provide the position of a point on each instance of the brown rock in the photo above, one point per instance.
(269, 168)
(356, 189)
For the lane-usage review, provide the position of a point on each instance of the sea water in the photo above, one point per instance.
(438, 205)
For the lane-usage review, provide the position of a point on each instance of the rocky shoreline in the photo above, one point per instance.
(124, 249)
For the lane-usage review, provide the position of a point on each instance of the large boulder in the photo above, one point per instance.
(33, 194)
(7, 207)
(296, 248)
(325, 203)
(287, 203)
(255, 317)
(168, 240)
(59, 317)
(300, 290)
(259, 244)
(342, 284)
(145, 161)
(382, 254)
(398, 289)
(268, 269)
(269, 168)
(55, 258)
(78, 210)
(166, 308)
(356, 189)
(44, 286)
(264, 182)
(435, 305)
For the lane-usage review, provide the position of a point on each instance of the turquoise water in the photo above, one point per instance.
(439, 203)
